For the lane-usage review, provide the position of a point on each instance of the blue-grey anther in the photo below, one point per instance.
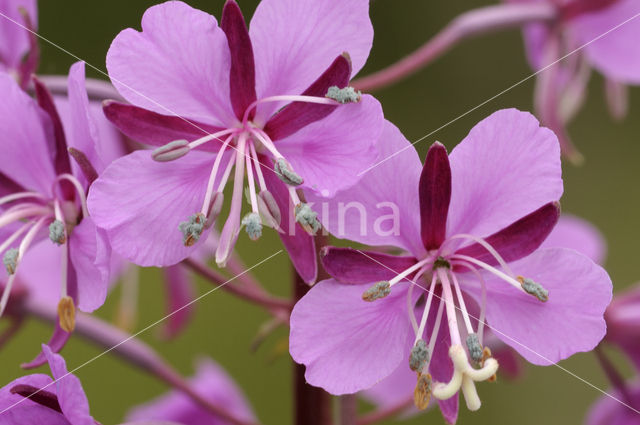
(10, 260)
(286, 173)
(419, 356)
(253, 225)
(56, 232)
(345, 95)
(170, 151)
(377, 291)
(307, 218)
(534, 288)
(474, 347)
(192, 229)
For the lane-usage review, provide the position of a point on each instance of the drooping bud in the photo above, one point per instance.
(67, 314)
(422, 393)
(534, 288)
(215, 206)
(377, 291)
(192, 229)
(10, 260)
(252, 225)
(307, 218)
(285, 172)
(57, 233)
(269, 209)
(170, 151)
(345, 95)
(474, 347)
(419, 356)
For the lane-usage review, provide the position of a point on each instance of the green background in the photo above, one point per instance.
(604, 190)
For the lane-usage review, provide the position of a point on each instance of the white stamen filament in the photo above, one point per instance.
(461, 303)
(490, 269)
(227, 172)
(15, 235)
(294, 195)
(79, 190)
(435, 331)
(427, 307)
(252, 184)
(212, 177)
(410, 270)
(288, 98)
(266, 142)
(214, 136)
(20, 212)
(256, 166)
(450, 305)
(483, 306)
(64, 265)
(488, 247)
(20, 195)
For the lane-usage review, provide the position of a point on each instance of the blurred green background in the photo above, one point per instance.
(604, 191)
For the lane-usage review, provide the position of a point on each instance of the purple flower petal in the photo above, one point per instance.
(178, 65)
(299, 244)
(576, 233)
(295, 40)
(505, 168)
(243, 70)
(435, 195)
(20, 411)
(380, 208)
(140, 203)
(33, 167)
(57, 341)
(331, 152)
(518, 239)
(348, 265)
(71, 396)
(15, 39)
(546, 332)
(155, 129)
(348, 344)
(179, 295)
(609, 411)
(612, 47)
(299, 114)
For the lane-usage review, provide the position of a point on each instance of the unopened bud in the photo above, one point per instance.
(307, 218)
(377, 291)
(533, 288)
(269, 209)
(192, 229)
(285, 172)
(252, 225)
(345, 95)
(419, 356)
(215, 206)
(474, 347)
(57, 233)
(422, 393)
(170, 151)
(10, 260)
(67, 314)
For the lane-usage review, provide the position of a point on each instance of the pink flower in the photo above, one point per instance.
(472, 223)
(19, 53)
(608, 411)
(230, 97)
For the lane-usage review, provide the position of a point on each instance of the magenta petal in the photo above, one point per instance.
(140, 203)
(576, 233)
(295, 40)
(179, 296)
(16, 410)
(505, 168)
(178, 65)
(57, 341)
(435, 195)
(348, 344)
(71, 396)
(520, 238)
(393, 390)
(348, 265)
(299, 244)
(609, 411)
(570, 321)
(243, 71)
(299, 114)
(155, 129)
(15, 39)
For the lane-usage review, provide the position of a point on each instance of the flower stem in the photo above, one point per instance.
(469, 24)
(96, 89)
(133, 351)
(312, 404)
(613, 375)
(252, 294)
(348, 409)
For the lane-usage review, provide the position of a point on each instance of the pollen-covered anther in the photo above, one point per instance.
(419, 356)
(192, 229)
(253, 225)
(345, 95)
(422, 393)
(57, 232)
(307, 218)
(10, 260)
(170, 151)
(533, 288)
(474, 347)
(377, 291)
(67, 314)
(285, 172)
